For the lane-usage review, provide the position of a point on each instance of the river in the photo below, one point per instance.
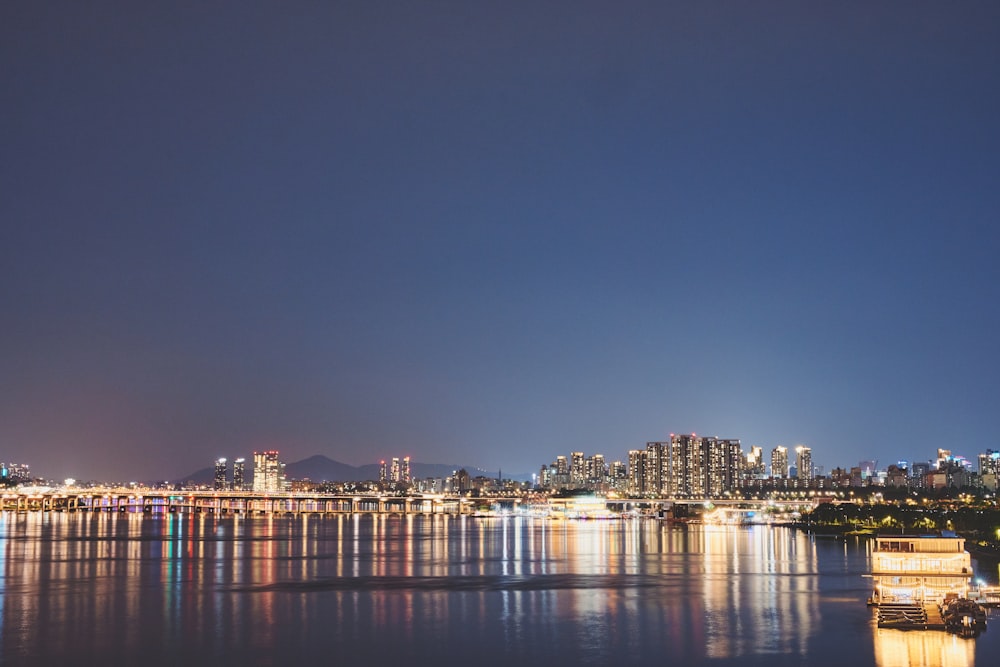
(129, 589)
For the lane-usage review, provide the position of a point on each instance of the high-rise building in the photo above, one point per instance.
(220, 474)
(578, 469)
(461, 481)
(989, 463)
(755, 467)
(395, 470)
(779, 462)
(595, 470)
(267, 472)
(559, 472)
(619, 476)
(404, 471)
(723, 461)
(15, 472)
(383, 472)
(803, 462)
(562, 466)
(688, 466)
(657, 469)
(636, 472)
(943, 457)
(239, 474)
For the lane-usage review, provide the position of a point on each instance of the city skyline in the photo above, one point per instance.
(687, 465)
(478, 233)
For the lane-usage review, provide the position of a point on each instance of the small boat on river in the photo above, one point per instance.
(963, 617)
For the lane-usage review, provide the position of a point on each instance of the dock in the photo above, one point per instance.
(910, 616)
(986, 596)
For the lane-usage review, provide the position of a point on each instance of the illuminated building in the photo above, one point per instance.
(989, 469)
(636, 472)
(723, 462)
(619, 476)
(267, 472)
(559, 471)
(220, 474)
(596, 470)
(909, 568)
(918, 474)
(578, 470)
(562, 468)
(943, 457)
(896, 477)
(803, 462)
(755, 467)
(657, 469)
(989, 463)
(15, 472)
(397, 472)
(779, 462)
(704, 467)
(687, 466)
(461, 481)
(239, 474)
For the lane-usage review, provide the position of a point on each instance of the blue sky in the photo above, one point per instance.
(490, 234)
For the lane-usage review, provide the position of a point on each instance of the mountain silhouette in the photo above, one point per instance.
(321, 468)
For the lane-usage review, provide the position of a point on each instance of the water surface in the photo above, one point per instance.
(360, 589)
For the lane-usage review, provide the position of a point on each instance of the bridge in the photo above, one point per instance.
(230, 502)
(249, 502)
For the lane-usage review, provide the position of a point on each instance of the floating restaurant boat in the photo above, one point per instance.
(581, 506)
(920, 568)
(922, 582)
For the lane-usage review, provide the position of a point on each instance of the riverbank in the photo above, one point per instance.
(978, 548)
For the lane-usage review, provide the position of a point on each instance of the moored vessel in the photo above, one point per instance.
(922, 582)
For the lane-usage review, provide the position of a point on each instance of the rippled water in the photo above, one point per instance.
(199, 590)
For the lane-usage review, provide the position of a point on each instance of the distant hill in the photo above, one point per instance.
(320, 468)
(203, 476)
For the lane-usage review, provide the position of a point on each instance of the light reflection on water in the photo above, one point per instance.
(901, 648)
(196, 589)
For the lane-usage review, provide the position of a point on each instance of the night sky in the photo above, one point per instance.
(492, 233)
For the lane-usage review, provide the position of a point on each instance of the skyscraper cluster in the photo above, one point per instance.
(222, 479)
(14, 473)
(687, 466)
(397, 472)
(583, 472)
